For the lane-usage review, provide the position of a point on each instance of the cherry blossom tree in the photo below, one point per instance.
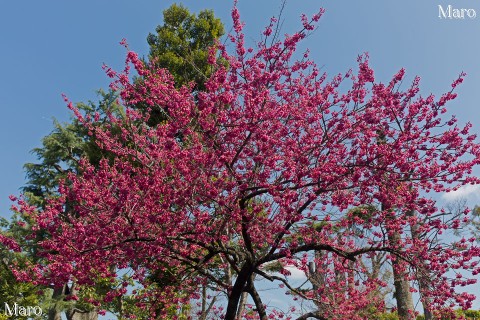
(264, 167)
(181, 44)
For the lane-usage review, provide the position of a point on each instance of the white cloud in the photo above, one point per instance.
(467, 192)
(296, 274)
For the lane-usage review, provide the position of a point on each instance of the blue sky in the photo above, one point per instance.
(52, 47)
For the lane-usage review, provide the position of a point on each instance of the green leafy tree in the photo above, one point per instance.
(182, 44)
(63, 148)
(12, 291)
(59, 154)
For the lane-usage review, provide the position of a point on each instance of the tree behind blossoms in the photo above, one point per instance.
(264, 167)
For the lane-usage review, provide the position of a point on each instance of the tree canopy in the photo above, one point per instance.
(269, 148)
(272, 166)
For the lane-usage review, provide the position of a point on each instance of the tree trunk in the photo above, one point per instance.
(237, 290)
(55, 313)
(317, 277)
(402, 286)
(403, 296)
(427, 314)
(73, 314)
(241, 308)
(422, 279)
(76, 314)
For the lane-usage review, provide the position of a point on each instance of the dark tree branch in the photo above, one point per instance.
(256, 298)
